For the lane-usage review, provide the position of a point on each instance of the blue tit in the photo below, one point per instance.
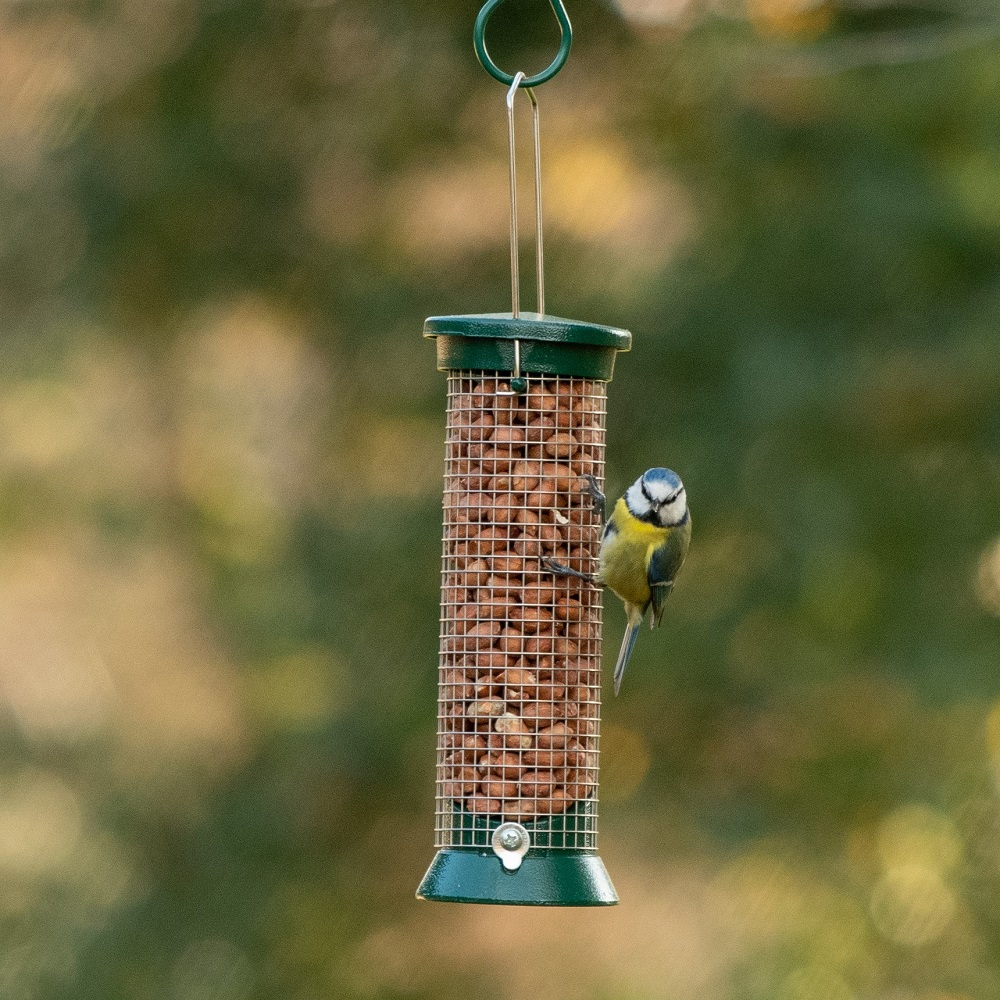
(643, 548)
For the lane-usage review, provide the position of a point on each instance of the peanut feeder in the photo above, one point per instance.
(519, 686)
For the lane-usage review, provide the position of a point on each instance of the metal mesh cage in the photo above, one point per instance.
(520, 661)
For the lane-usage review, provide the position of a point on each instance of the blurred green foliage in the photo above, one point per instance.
(220, 445)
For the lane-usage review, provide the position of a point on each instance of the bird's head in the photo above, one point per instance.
(658, 497)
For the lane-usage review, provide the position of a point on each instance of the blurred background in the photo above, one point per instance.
(222, 223)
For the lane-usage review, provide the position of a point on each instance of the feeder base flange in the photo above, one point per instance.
(545, 878)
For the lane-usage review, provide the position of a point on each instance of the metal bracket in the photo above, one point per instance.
(511, 842)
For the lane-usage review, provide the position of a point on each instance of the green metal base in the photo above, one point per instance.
(545, 878)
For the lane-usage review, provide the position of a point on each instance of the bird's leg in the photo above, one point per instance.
(598, 499)
(561, 569)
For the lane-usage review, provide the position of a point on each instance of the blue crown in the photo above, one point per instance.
(666, 476)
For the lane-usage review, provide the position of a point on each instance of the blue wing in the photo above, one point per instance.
(664, 565)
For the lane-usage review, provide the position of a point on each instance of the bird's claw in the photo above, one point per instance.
(561, 569)
(598, 499)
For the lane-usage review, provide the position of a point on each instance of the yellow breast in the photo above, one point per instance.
(626, 552)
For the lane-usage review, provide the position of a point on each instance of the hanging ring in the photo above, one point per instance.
(565, 41)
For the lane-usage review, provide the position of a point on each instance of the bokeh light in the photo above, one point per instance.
(988, 579)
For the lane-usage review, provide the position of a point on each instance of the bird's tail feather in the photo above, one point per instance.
(631, 634)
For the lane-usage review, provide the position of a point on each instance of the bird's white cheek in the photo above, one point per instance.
(673, 513)
(637, 504)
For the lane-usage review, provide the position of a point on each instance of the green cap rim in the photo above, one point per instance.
(549, 345)
(528, 326)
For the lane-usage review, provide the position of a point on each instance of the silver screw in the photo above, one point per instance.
(511, 839)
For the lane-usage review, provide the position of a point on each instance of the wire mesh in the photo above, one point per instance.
(519, 691)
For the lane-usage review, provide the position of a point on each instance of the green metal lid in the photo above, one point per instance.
(549, 345)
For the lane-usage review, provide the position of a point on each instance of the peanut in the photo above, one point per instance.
(490, 659)
(487, 686)
(561, 799)
(530, 617)
(463, 782)
(479, 637)
(561, 445)
(535, 783)
(486, 707)
(539, 429)
(516, 734)
(524, 476)
(518, 679)
(546, 758)
(508, 439)
(495, 787)
(537, 713)
(543, 498)
(554, 737)
(481, 804)
(456, 685)
(527, 519)
(468, 748)
(477, 572)
(496, 460)
(503, 763)
(569, 609)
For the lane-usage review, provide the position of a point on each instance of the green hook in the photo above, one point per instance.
(565, 41)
